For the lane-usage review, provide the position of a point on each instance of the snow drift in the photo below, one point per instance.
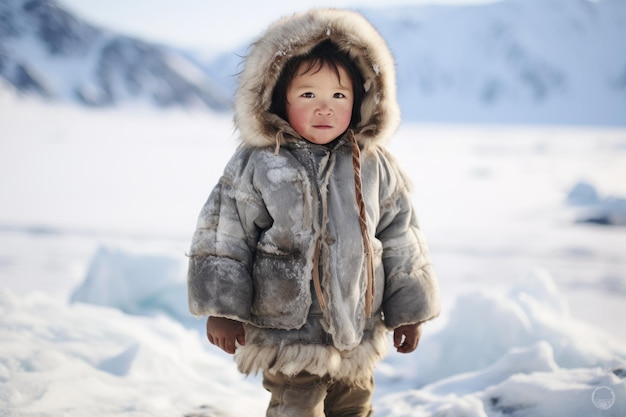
(515, 354)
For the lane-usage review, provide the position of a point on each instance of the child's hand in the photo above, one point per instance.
(407, 337)
(223, 333)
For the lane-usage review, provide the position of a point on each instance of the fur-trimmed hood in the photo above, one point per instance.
(297, 35)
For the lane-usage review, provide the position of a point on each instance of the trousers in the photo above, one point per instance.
(307, 395)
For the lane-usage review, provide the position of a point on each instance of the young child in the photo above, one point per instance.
(308, 250)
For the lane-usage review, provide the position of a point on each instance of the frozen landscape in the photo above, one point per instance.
(525, 224)
(524, 209)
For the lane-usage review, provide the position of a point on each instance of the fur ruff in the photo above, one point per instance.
(297, 35)
(355, 366)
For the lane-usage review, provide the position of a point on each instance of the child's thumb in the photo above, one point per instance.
(241, 339)
(397, 338)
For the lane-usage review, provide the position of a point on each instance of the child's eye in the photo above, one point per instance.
(339, 95)
(308, 95)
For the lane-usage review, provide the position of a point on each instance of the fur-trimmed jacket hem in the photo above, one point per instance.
(354, 366)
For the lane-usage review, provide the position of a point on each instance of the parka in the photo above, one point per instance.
(286, 212)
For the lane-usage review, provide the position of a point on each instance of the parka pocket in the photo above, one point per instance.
(282, 295)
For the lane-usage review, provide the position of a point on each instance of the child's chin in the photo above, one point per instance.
(321, 140)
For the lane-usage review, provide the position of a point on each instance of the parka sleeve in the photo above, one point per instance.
(411, 291)
(219, 280)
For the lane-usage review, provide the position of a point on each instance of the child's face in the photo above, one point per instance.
(319, 105)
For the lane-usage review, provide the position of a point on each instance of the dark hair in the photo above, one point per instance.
(325, 53)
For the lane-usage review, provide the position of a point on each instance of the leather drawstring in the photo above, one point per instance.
(316, 277)
(367, 241)
(279, 138)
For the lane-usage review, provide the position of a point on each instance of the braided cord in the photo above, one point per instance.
(367, 241)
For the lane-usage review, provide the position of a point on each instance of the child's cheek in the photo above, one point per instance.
(345, 117)
(297, 119)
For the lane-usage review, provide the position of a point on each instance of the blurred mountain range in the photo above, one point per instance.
(516, 61)
(47, 51)
(513, 61)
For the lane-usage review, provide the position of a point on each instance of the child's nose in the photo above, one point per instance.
(324, 109)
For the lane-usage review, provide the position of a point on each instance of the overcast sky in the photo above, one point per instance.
(208, 24)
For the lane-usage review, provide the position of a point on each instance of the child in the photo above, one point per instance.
(308, 250)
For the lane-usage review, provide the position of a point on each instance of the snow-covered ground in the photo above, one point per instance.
(97, 209)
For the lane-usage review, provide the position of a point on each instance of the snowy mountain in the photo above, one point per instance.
(517, 61)
(47, 51)
(512, 61)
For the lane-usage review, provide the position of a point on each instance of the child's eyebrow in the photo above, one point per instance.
(305, 86)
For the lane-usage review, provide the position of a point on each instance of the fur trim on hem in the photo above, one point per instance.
(355, 366)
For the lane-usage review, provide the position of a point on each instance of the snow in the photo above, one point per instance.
(608, 210)
(77, 360)
(97, 213)
(135, 283)
(512, 61)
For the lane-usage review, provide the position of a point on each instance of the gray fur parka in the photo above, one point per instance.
(285, 206)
